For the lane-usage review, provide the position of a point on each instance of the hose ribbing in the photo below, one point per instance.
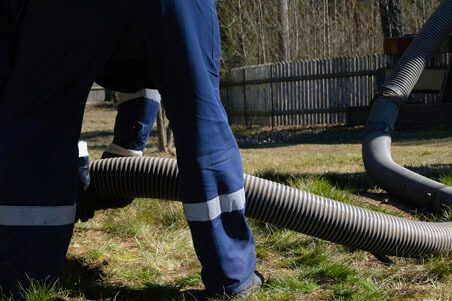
(399, 181)
(134, 177)
(410, 66)
(281, 206)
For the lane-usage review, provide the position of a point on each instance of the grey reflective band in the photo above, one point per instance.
(148, 93)
(37, 215)
(83, 149)
(202, 212)
(233, 201)
(210, 210)
(121, 151)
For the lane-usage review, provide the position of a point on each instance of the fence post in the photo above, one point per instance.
(244, 96)
(272, 99)
(228, 100)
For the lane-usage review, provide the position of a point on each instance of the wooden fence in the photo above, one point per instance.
(96, 95)
(306, 93)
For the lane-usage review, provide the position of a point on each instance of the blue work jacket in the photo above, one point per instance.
(126, 70)
(9, 13)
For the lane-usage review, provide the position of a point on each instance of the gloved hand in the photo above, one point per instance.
(85, 209)
(85, 206)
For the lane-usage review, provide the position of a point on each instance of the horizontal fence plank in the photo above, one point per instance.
(292, 112)
(297, 78)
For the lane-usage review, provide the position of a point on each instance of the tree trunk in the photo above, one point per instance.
(391, 18)
(242, 37)
(170, 148)
(165, 134)
(163, 142)
(283, 30)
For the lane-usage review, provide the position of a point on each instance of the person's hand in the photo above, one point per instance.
(86, 207)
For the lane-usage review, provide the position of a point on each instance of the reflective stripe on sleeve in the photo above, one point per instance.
(37, 215)
(207, 211)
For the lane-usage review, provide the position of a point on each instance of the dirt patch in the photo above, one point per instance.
(267, 136)
(384, 201)
(85, 239)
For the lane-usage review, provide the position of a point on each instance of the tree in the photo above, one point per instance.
(165, 134)
(283, 30)
(242, 37)
(258, 32)
(391, 18)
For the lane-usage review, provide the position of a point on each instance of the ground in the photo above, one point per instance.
(144, 251)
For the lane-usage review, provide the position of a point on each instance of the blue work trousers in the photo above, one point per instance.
(135, 119)
(60, 49)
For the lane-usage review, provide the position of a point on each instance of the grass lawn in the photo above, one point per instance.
(144, 251)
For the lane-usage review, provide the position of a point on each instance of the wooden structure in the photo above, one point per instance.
(314, 92)
(97, 94)
(436, 79)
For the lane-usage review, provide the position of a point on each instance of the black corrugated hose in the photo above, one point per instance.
(281, 206)
(397, 180)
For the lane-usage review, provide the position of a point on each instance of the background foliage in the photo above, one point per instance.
(317, 28)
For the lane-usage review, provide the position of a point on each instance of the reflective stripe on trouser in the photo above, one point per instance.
(185, 61)
(210, 210)
(37, 215)
(25, 229)
(135, 119)
(41, 108)
(223, 241)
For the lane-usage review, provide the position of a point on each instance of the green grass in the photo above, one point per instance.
(40, 291)
(144, 251)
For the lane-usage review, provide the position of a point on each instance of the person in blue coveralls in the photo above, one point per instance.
(55, 51)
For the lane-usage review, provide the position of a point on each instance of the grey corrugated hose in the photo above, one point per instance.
(281, 206)
(397, 180)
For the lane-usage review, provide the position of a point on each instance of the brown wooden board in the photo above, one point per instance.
(397, 45)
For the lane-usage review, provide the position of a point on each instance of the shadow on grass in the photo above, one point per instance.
(337, 135)
(104, 105)
(354, 182)
(82, 280)
(95, 134)
(89, 135)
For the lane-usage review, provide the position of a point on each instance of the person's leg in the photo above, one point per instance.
(185, 47)
(134, 120)
(9, 12)
(61, 48)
